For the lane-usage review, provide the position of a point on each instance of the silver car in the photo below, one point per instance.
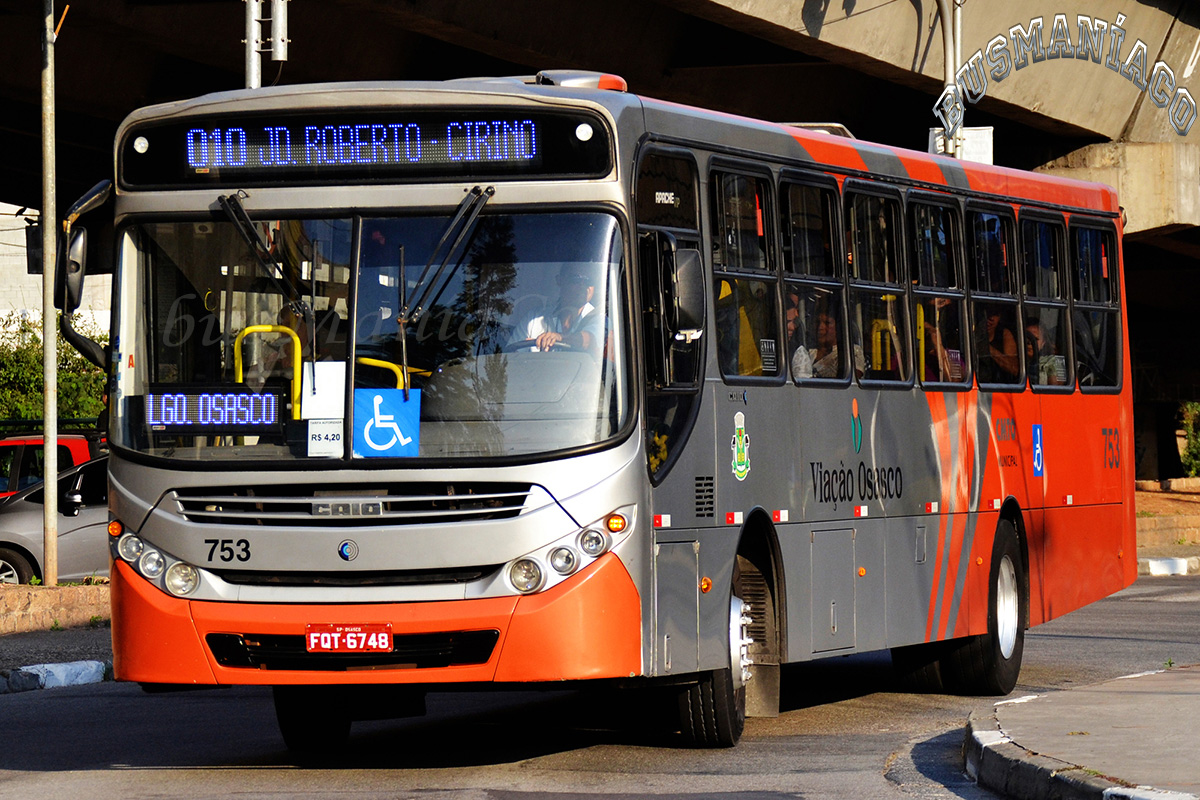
(82, 527)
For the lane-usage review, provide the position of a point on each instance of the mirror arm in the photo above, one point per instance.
(93, 351)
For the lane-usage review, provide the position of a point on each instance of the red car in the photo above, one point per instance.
(23, 461)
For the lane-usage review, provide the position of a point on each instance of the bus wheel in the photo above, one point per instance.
(712, 712)
(989, 664)
(14, 568)
(311, 728)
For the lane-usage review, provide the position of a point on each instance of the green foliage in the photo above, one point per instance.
(1190, 416)
(80, 384)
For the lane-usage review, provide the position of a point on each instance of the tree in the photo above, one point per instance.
(80, 383)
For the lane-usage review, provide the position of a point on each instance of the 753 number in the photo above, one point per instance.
(228, 549)
(1112, 447)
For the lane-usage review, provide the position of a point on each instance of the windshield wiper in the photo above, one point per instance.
(462, 222)
(233, 208)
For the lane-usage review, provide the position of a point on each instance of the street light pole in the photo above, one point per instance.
(49, 330)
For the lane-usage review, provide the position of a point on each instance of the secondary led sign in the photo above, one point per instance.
(233, 411)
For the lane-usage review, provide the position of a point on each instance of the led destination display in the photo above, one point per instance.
(233, 411)
(328, 147)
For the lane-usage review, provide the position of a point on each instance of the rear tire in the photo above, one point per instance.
(989, 664)
(712, 711)
(14, 567)
(312, 727)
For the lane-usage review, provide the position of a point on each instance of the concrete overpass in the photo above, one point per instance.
(1082, 93)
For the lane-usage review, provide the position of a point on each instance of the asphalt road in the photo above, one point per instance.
(845, 731)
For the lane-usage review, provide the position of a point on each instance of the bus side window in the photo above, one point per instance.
(939, 306)
(995, 311)
(879, 319)
(1047, 351)
(1096, 320)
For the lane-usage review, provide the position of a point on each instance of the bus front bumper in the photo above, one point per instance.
(585, 628)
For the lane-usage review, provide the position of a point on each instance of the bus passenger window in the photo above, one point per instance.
(814, 324)
(808, 231)
(1096, 321)
(1045, 327)
(739, 238)
(746, 328)
(940, 304)
(995, 314)
(878, 319)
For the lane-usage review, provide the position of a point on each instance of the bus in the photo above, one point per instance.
(533, 382)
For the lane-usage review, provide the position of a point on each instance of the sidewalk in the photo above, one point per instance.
(1112, 740)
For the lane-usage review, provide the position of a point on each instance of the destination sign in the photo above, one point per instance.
(322, 147)
(231, 410)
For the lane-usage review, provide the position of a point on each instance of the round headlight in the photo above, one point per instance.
(182, 579)
(563, 560)
(594, 543)
(152, 563)
(525, 575)
(129, 547)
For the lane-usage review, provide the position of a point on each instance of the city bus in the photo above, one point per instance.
(533, 382)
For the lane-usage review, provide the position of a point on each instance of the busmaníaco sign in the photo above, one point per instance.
(1096, 40)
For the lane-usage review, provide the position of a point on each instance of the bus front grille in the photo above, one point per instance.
(370, 505)
(409, 651)
(410, 577)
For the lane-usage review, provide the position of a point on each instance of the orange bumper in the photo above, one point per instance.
(586, 627)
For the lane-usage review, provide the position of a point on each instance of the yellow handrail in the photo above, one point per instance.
(396, 368)
(237, 358)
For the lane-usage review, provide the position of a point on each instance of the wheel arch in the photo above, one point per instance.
(24, 553)
(758, 543)
(1011, 511)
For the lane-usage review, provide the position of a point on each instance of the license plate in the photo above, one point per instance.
(329, 638)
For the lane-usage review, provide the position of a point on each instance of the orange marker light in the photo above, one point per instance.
(862, 571)
(115, 528)
(616, 523)
(979, 561)
(705, 585)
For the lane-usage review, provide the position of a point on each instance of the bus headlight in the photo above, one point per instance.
(593, 542)
(182, 579)
(130, 547)
(525, 575)
(563, 560)
(152, 564)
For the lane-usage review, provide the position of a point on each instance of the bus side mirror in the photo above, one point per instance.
(70, 270)
(688, 291)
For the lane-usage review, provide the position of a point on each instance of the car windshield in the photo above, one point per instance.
(361, 338)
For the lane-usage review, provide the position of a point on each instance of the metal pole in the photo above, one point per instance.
(253, 39)
(948, 52)
(49, 329)
(960, 136)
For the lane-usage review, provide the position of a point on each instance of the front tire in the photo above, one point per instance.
(14, 567)
(712, 711)
(990, 663)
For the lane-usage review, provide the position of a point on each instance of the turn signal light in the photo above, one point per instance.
(115, 528)
(616, 523)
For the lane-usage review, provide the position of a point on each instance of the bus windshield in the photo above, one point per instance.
(360, 338)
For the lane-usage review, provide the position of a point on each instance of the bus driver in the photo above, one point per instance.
(575, 322)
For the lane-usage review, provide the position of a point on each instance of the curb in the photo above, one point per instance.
(996, 762)
(52, 676)
(1169, 566)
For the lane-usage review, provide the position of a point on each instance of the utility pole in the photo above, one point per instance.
(254, 41)
(49, 331)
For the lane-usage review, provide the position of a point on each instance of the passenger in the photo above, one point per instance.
(827, 362)
(1046, 365)
(802, 363)
(999, 350)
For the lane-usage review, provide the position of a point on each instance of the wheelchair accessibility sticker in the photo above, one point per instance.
(384, 425)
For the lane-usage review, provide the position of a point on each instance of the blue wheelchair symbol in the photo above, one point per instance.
(1039, 462)
(385, 426)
